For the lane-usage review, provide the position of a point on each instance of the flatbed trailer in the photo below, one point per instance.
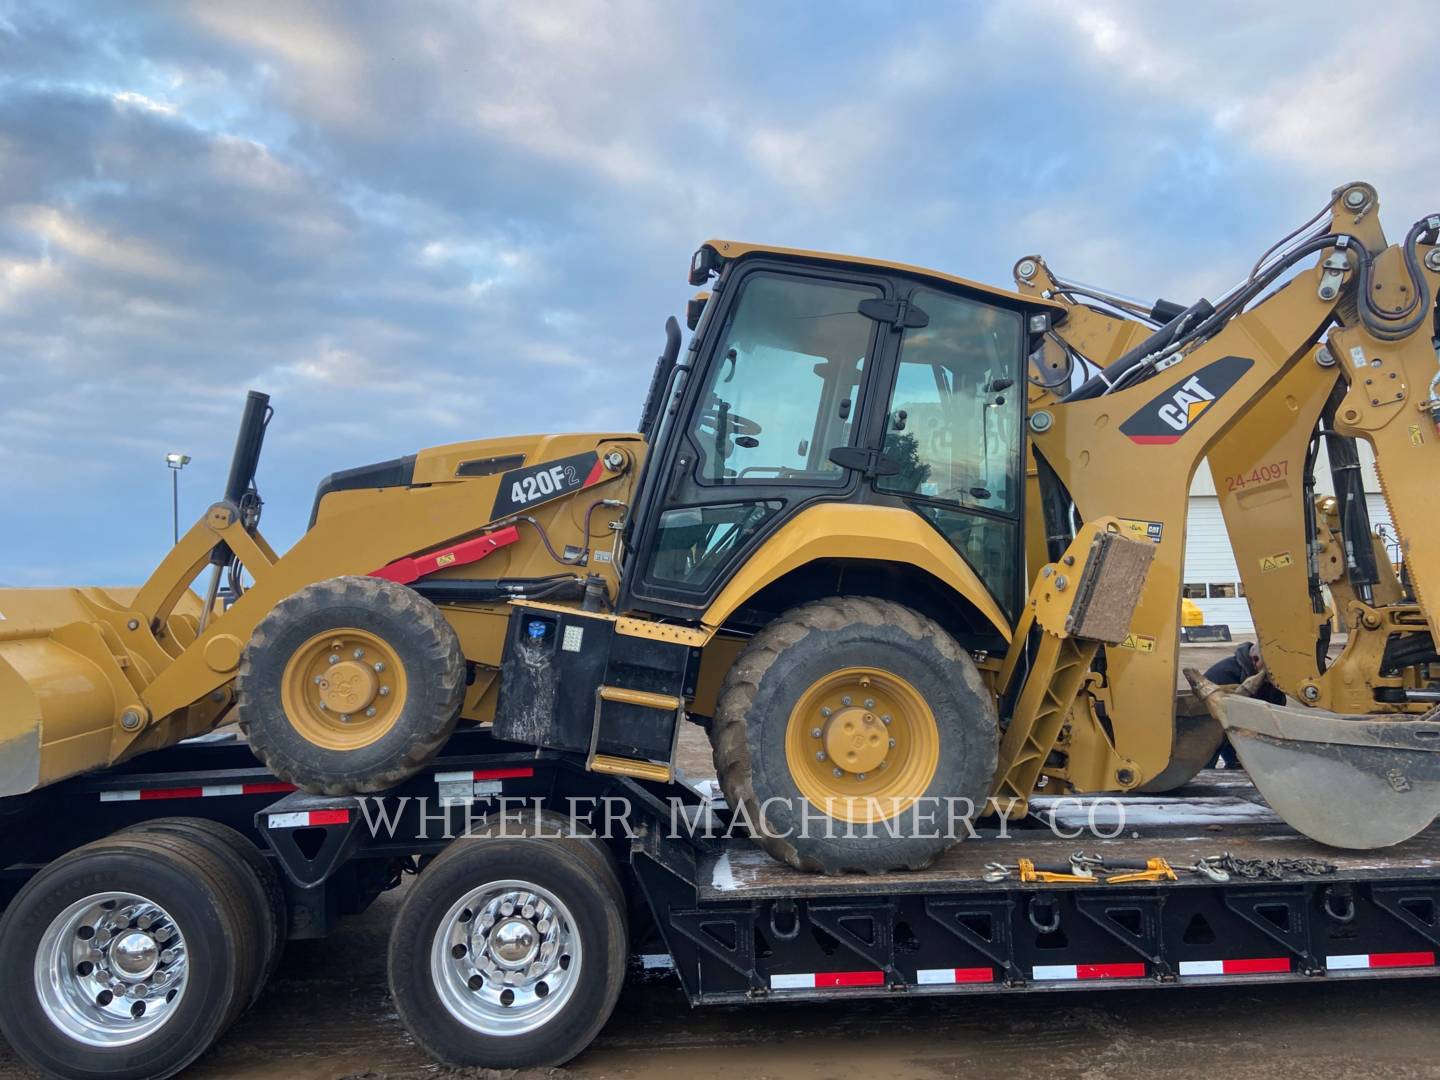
(734, 925)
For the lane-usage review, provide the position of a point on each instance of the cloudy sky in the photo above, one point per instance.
(416, 223)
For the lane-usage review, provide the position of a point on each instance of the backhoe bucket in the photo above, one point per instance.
(1347, 782)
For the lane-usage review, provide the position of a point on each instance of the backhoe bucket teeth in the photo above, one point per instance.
(1347, 782)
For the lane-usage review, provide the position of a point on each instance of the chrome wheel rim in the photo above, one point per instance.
(506, 958)
(111, 969)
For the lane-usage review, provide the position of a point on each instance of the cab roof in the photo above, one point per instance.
(734, 249)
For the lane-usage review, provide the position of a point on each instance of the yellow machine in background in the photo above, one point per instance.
(892, 535)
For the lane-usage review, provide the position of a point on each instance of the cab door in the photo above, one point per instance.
(783, 384)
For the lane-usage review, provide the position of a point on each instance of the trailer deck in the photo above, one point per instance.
(737, 926)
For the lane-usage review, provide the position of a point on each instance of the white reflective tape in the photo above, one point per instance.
(1347, 963)
(454, 777)
(223, 789)
(120, 796)
(656, 961)
(1056, 971)
(792, 982)
(1202, 967)
(296, 820)
(934, 976)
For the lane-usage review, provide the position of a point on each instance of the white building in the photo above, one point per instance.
(1211, 579)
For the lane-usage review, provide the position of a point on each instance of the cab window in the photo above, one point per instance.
(955, 411)
(782, 390)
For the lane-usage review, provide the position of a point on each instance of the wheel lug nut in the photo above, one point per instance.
(845, 700)
(815, 733)
(892, 744)
(370, 711)
(358, 654)
(344, 718)
(384, 691)
(379, 666)
(869, 703)
(334, 658)
(319, 681)
(885, 719)
(860, 776)
(323, 706)
(839, 773)
(825, 711)
(819, 755)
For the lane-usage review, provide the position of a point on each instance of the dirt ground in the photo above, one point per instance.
(327, 1015)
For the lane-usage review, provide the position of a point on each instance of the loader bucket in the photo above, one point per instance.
(1349, 782)
(65, 678)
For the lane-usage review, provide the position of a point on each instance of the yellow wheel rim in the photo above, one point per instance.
(862, 745)
(343, 689)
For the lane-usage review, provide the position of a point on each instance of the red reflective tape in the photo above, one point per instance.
(974, 975)
(272, 787)
(1110, 971)
(172, 793)
(502, 774)
(404, 571)
(329, 817)
(1258, 966)
(1401, 959)
(848, 978)
(596, 471)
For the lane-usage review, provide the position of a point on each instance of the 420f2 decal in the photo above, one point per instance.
(1168, 415)
(521, 489)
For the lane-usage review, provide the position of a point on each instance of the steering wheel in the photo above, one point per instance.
(734, 422)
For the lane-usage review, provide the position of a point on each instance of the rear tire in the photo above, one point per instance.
(60, 1012)
(562, 965)
(257, 877)
(350, 685)
(813, 694)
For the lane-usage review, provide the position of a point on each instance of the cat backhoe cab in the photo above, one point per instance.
(902, 542)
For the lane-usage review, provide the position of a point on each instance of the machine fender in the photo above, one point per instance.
(847, 531)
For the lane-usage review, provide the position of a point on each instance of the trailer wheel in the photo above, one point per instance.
(855, 734)
(508, 953)
(254, 873)
(126, 958)
(552, 825)
(350, 685)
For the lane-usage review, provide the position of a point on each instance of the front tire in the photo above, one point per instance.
(855, 734)
(508, 953)
(350, 685)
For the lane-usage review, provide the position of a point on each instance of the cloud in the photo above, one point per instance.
(419, 223)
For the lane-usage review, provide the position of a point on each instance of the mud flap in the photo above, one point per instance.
(1347, 782)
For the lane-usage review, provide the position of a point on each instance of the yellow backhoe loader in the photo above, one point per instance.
(894, 537)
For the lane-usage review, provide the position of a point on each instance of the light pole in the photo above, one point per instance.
(176, 463)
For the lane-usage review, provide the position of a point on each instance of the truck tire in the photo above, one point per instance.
(552, 825)
(350, 685)
(185, 940)
(478, 982)
(257, 877)
(855, 734)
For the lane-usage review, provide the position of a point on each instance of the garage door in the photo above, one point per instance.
(1211, 579)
